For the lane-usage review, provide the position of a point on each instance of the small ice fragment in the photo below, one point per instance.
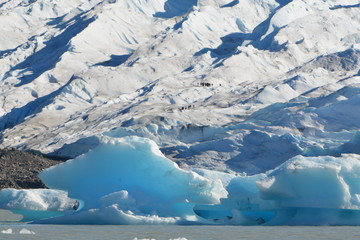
(144, 238)
(26, 231)
(7, 231)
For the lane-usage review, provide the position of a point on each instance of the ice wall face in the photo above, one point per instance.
(129, 181)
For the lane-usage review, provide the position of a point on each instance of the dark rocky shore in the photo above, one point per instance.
(20, 169)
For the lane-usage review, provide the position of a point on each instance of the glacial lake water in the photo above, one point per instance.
(10, 229)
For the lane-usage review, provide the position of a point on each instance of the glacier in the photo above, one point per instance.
(129, 181)
(200, 78)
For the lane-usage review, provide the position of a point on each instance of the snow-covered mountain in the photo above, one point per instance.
(226, 85)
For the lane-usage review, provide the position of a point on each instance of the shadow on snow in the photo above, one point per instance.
(50, 55)
(232, 41)
(18, 115)
(175, 8)
(115, 60)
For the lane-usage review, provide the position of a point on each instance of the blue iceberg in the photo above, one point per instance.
(129, 181)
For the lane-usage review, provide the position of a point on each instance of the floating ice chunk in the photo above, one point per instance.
(144, 238)
(129, 181)
(26, 231)
(302, 191)
(314, 182)
(35, 199)
(7, 231)
(313, 191)
(35, 203)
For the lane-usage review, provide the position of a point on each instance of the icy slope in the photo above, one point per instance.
(226, 85)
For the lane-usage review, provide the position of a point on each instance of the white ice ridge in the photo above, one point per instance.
(129, 181)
